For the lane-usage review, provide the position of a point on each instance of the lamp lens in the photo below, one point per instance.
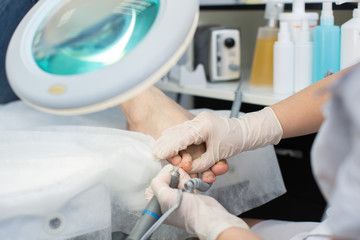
(82, 36)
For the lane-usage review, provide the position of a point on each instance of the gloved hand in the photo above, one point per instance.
(197, 214)
(224, 137)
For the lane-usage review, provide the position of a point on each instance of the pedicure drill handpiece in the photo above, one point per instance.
(152, 212)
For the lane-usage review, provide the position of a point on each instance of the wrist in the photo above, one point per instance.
(236, 233)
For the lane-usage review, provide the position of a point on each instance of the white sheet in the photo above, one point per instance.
(92, 150)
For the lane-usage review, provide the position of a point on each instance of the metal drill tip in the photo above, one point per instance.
(176, 168)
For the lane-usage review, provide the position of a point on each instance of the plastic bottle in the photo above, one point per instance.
(303, 58)
(262, 65)
(284, 62)
(326, 55)
(295, 17)
(350, 40)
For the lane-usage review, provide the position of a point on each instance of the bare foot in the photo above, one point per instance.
(152, 112)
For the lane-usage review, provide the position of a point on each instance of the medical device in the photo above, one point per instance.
(217, 48)
(152, 212)
(225, 55)
(152, 216)
(196, 183)
(81, 56)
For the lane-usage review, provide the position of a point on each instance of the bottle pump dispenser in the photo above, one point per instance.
(262, 66)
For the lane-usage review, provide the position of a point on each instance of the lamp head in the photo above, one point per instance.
(82, 56)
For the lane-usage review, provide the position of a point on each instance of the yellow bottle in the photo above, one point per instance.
(262, 66)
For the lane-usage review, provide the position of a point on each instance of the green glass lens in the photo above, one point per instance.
(82, 36)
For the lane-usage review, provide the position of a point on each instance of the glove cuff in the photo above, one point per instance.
(262, 129)
(277, 131)
(233, 221)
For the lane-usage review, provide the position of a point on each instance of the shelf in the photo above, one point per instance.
(288, 6)
(234, 7)
(226, 90)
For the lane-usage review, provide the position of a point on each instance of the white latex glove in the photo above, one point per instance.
(224, 137)
(197, 214)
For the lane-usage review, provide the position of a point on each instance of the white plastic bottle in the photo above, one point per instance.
(350, 40)
(303, 58)
(284, 62)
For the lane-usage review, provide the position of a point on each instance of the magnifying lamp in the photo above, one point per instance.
(81, 56)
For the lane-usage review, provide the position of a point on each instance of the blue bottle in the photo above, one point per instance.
(326, 55)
